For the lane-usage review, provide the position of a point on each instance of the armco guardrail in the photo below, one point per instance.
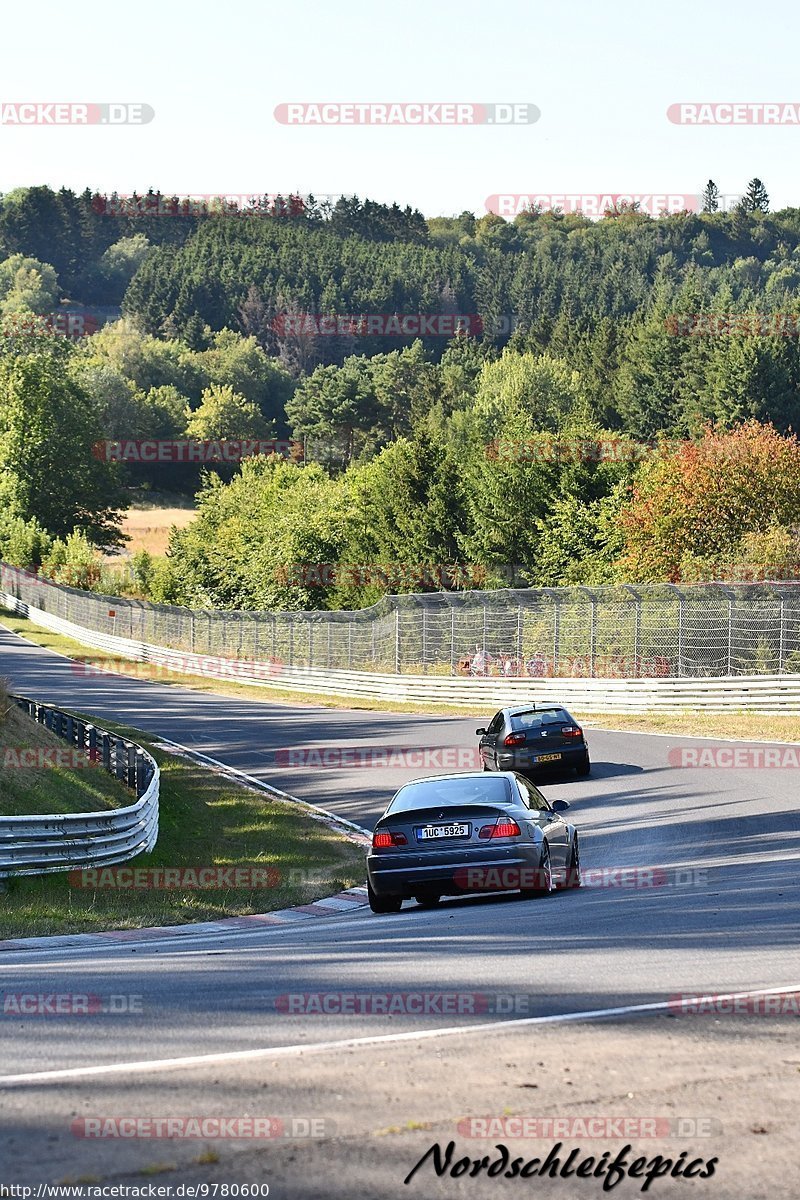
(40, 845)
(755, 693)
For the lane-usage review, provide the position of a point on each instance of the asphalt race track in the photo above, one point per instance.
(723, 917)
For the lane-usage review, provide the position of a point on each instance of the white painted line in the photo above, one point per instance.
(260, 786)
(158, 1065)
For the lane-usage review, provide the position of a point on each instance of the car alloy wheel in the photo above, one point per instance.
(545, 874)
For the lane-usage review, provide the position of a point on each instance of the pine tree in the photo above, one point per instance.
(755, 198)
(710, 197)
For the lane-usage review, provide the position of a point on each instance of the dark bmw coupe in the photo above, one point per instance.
(452, 835)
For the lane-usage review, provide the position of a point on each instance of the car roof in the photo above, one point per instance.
(533, 707)
(460, 775)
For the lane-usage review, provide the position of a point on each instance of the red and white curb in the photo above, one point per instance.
(331, 906)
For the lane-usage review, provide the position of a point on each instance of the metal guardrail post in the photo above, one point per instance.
(131, 752)
(637, 628)
(397, 665)
(424, 639)
(673, 588)
(592, 629)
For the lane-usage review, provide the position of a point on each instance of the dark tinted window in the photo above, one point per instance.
(533, 797)
(496, 724)
(433, 793)
(542, 717)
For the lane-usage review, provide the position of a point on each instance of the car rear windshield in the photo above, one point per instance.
(432, 793)
(542, 716)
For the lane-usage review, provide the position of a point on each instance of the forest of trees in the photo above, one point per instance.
(672, 342)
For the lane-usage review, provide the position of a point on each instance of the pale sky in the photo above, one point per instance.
(602, 75)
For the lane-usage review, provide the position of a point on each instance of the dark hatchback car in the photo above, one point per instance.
(453, 835)
(531, 738)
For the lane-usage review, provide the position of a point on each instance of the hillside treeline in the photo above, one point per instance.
(606, 374)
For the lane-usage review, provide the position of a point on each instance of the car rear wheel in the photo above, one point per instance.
(584, 767)
(383, 904)
(573, 877)
(545, 875)
(429, 900)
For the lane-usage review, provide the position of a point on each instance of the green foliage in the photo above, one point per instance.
(696, 510)
(48, 427)
(225, 414)
(22, 543)
(27, 286)
(418, 451)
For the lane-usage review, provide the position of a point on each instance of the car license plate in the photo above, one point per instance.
(442, 831)
(547, 758)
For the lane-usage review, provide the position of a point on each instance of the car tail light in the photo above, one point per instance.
(381, 841)
(572, 731)
(500, 829)
(514, 739)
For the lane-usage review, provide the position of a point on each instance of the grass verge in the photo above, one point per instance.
(742, 726)
(41, 774)
(205, 821)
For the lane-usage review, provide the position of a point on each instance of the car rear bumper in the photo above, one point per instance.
(454, 872)
(523, 759)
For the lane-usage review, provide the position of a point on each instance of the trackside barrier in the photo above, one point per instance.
(40, 845)
(611, 632)
(752, 693)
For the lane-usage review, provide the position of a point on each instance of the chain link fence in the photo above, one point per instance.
(651, 630)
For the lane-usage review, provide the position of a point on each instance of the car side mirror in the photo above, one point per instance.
(560, 805)
(480, 732)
